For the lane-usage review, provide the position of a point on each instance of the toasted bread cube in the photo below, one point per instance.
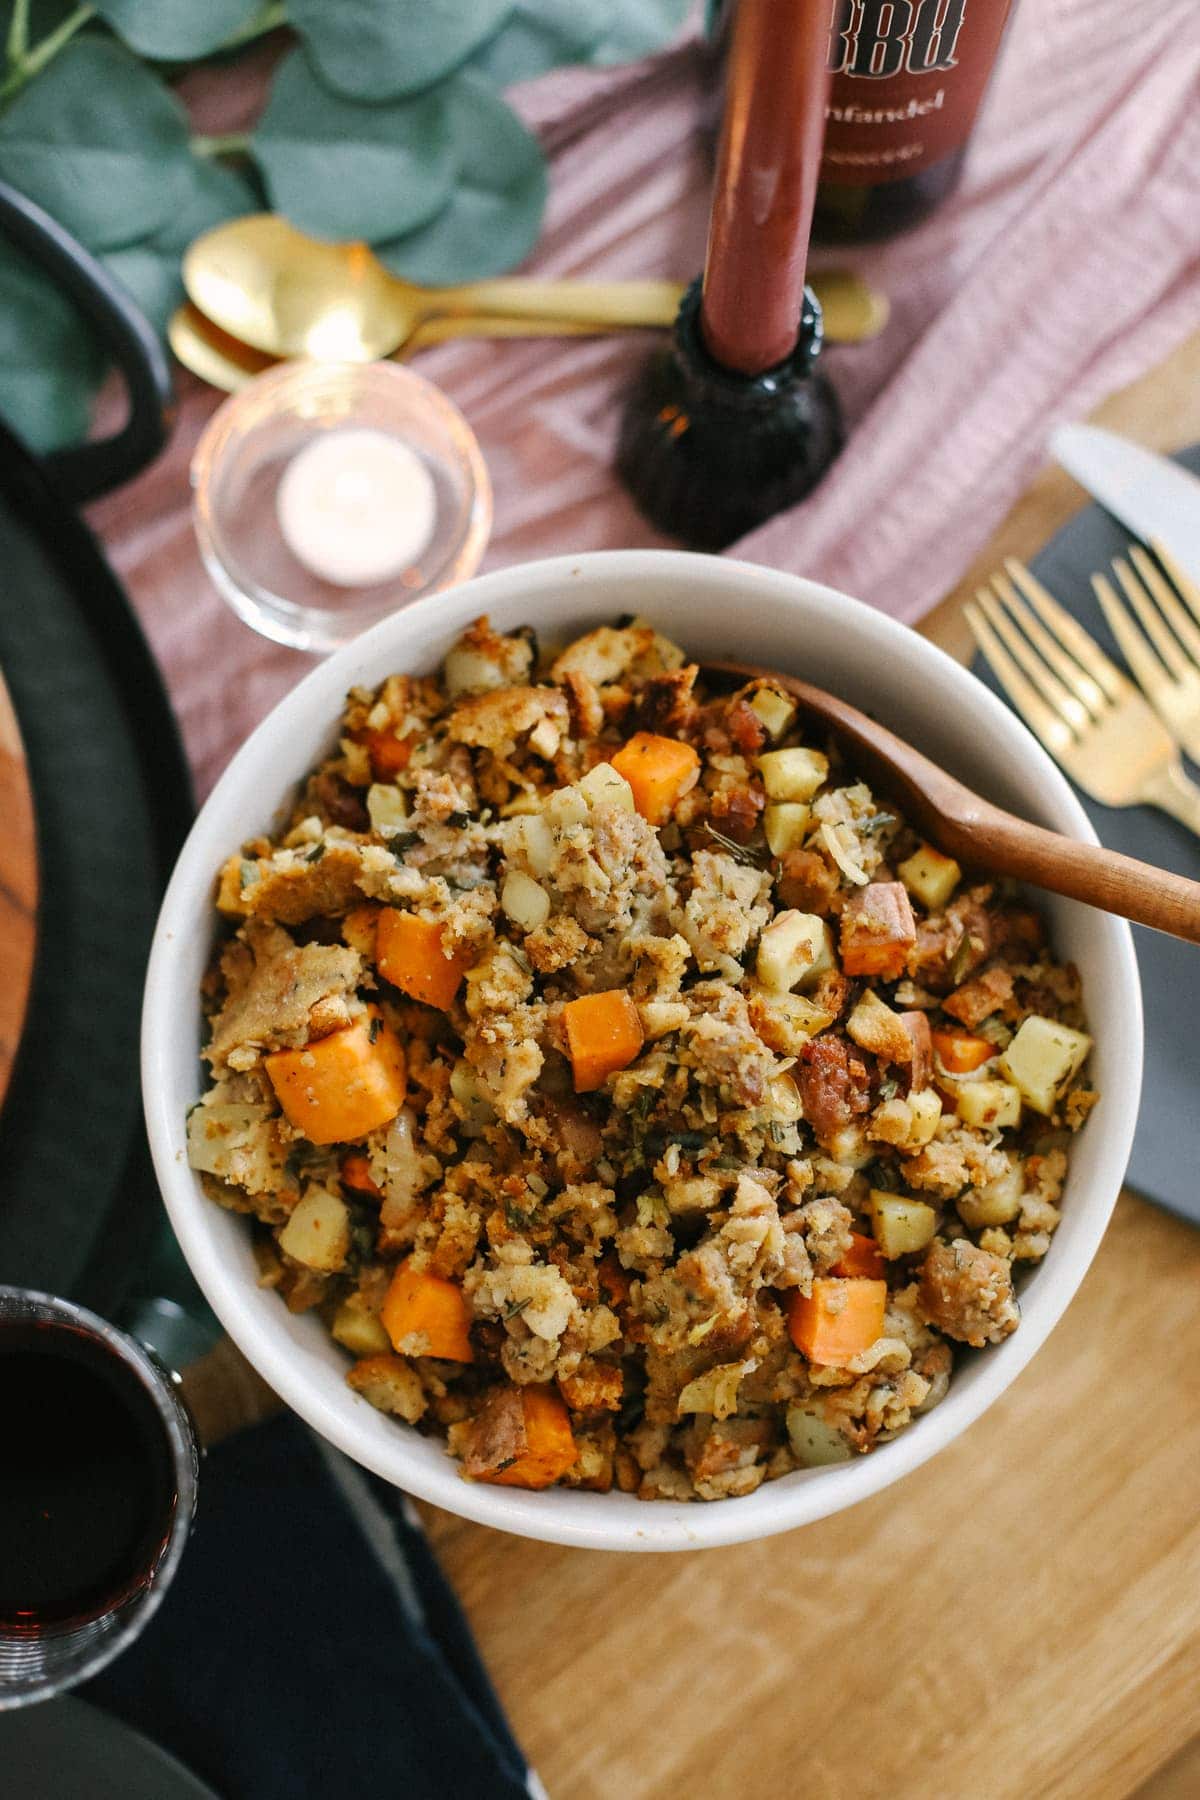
(785, 823)
(792, 774)
(901, 1225)
(1042, 1060)
(318, 1232)
(990, 1105)
(996, 1204)
(930, 877)
(774, 710)
(878, 931)
(391, 1385)
(793, 951)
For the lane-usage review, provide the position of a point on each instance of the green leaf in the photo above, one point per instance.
(342, 170)
(150, 270)
(176, 30)
(378, 49)
(495, 211)
(99, 142)
(50, 364)
(636, 27)
(540, 35)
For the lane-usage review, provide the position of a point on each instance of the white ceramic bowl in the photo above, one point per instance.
(713, 607)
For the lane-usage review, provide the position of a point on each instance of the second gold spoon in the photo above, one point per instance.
(290, 295)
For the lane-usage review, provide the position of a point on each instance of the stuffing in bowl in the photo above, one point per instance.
(634, 1097)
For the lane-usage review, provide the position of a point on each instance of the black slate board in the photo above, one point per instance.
(1161, 1167)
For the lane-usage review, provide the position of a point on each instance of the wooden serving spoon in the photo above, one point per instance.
(973, 831)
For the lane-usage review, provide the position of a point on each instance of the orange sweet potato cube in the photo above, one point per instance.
(604, 1034)
(660, 771)
(424, 1305)
(411, 955)
(878, 931)
(838, 1319)
(342, 1086)
(522, 1438)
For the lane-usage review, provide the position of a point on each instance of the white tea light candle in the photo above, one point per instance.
(356, 506)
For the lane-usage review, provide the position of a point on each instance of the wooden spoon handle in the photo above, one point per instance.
(1104, 878)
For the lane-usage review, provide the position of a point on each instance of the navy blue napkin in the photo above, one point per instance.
(310, 1645)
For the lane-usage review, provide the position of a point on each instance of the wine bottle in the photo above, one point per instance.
(908, 78)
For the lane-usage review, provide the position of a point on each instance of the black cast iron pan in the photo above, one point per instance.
(79, 1206)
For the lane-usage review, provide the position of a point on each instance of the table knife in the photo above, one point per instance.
(1156, 499)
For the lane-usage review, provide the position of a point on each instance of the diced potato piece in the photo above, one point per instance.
(318, 1232)
(795, 948)
(926, 1109)
(930, 877)
(524, 900)
(387, 809)
(990, 1105)
(465, 1085)
(603, 785)
(568, 806)
(226, 1139)
(792, 774)
(545, 738)
(774, 709)
(850, 1146)
(785, 823)
(996, 1204)
(360, 1331)
(1042, 1059)
(340, 1087)
(901, 1225)
(531, 837)
(815, 1443)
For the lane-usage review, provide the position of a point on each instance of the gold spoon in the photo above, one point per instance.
(225, 362)
(289, 295)
(970, 828)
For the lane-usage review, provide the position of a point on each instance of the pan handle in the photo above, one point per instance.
(86, 470)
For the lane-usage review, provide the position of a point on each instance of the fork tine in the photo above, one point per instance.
(1136, 651)
(1182, 581)
(1069, 633)
(1168, 605)
(1080, 683)
(1150, 619)
(1041, 719)
(1042, 676)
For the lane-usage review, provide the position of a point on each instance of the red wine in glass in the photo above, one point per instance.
(97, 1486)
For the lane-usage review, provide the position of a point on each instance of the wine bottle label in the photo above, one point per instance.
(908, 77)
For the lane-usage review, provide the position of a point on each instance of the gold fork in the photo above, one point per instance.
(1165, 654)
(1090, 717)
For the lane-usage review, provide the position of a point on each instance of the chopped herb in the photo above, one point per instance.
(373, 1030)
(517, 1306)
(515, 1217)
(458, 820)
(633, 1409)
(967, 950)
(315, 854)
(877, 822)
(400, 841)
(727, 1162)
(755, 856)
(250, 873)
(889, 1087)
(778, 1132)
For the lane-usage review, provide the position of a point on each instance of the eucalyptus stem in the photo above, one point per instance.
(17, 47)
(35, 60)
(269, 17)
(228, 143)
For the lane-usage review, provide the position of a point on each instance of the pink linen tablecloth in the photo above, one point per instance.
(1067, 264)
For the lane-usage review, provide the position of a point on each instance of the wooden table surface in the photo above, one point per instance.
(1019, 1618)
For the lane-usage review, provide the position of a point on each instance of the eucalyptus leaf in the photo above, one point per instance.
(495, 211)
(151, 269)
(342, 170)
(176, 30)
(379, 49)
(637, 27)
(50, 363)
(540, 35)
(98, 141)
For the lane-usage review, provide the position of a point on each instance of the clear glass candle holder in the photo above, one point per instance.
(254, 437)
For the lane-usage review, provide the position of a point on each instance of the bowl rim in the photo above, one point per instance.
(308, 709)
